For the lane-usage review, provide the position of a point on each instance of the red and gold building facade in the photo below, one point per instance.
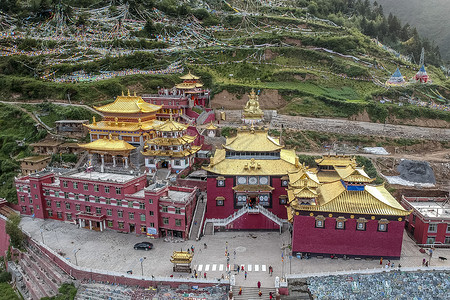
(128, 118)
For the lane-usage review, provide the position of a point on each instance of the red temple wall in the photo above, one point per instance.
(328, 240)
(4, 238)
(253, 222)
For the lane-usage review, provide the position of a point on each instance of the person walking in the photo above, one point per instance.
(238, 269)
(205, 246)
(259, 284)
(423, 262)
(381, 261)
(242, 268)
(240, 291)
(270, 296)
(245, 274)
(260, 293)
(204, 274)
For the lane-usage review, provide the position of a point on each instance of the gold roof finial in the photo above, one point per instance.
(110, 136)
(117, 121)
(252, 128)
(122, 93)
(170, 113)
(139, 120)
(128, 92)
(135, 93)
(93, 120)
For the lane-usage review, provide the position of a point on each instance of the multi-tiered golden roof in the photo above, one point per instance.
(251, 143)
(346, 191)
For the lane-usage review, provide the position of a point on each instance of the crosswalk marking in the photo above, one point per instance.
(222, 267)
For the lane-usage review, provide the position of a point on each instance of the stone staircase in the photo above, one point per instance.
(251, 293)
(40, 276)
(198, 217)
(246, 209)
(162, 174)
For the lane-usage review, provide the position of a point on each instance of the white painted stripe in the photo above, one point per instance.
(207, 268)
(200, 268)
(256, 268)
(249, 268)
(214, 267)
(221, 267)
(263, 268)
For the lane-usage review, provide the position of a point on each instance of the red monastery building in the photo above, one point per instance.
(429, 222)
(345, 214)
(100, 201)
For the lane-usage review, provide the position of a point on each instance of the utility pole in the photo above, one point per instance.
(142, 265)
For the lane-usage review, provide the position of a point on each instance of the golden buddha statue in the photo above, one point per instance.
(252, 111)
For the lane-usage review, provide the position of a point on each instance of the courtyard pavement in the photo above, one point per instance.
(113, 251)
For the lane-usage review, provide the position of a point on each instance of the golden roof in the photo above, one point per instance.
(251, 108)
(171, 153)
(187, 85)
(123, 126)
(187, 139)
(252, 188)
(252, 140)
(373, 200)
(303, 178)
(189, 76)
(304, 192)
(171, 125)
(211, 126)
(225, 166)
(129, 105)
(181, 257)
(336, 160)
(328, 176)
(108, 145)
(353, 174)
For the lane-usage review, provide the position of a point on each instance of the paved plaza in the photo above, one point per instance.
(256, 251)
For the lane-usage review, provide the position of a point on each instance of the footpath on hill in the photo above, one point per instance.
(360, 128)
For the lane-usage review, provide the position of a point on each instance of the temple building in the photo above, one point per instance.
(247, 181)
(170, 148)
(108, 150)
(252, 114)
(99, 201)
(129, 118)
(180, 99)
(345, 215)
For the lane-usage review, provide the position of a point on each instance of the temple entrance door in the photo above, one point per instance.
(164, 164)
(132, 228)
(253, 200)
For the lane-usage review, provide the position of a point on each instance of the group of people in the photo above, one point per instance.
(259, 291)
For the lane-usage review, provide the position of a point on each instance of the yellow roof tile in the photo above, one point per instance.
(107, 145)
(123, 126)
(171, 125)
(187, 139)
(187, 85)
(328, 176)
(171, 153)
(181, 257)
(336, 160)
(189, 76)
(253, 140)
(129, 105)
(373, 200)
(225, 166)
(211, 126)
(303, 177)
(353, 174)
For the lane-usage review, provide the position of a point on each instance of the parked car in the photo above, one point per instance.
(144, 245)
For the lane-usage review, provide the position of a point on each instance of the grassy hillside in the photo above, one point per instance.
(430, 17)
